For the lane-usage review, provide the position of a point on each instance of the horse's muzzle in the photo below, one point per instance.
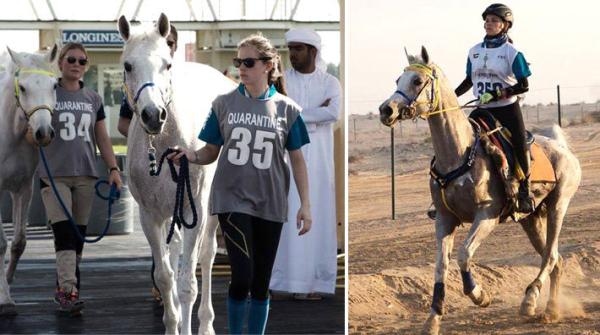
(387, 115)
(153, 119)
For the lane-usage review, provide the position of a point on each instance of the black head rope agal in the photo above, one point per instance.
(183, 181)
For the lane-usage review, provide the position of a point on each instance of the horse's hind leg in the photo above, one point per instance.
(444, 232)
(21, 201)
(551, 260)
(480, 229)
(208, 251)
(535, 227)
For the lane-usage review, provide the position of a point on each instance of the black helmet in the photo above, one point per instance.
(501, 11)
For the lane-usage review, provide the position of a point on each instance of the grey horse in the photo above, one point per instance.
(478, 195)
(27, 99)
(171, 101)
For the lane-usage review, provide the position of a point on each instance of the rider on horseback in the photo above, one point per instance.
(498, 72)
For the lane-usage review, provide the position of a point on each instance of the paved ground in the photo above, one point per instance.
(116, 290)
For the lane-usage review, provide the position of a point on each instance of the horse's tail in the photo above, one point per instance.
(559, 136)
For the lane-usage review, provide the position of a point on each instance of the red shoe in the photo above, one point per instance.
(68, 303)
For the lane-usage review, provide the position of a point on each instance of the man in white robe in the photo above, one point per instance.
(306, 266)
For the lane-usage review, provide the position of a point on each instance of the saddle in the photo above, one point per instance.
(496, 141)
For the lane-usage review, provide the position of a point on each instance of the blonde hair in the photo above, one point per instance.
(266, 49)
(71, 46)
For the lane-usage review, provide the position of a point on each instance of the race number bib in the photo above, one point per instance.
(258, 149)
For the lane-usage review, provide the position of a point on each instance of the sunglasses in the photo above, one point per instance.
(248, 62)
(72, 60)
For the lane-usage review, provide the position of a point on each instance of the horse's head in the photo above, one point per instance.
(415, 93)
(147, 63)
(34, 90)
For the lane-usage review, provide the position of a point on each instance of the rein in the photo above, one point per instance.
(183, 185)
(29, 113)
(113, 195)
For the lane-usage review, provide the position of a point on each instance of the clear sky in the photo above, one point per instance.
(560, 39)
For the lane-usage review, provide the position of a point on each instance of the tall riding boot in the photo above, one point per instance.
(524, 200)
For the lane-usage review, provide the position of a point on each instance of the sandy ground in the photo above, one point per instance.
(391, 262)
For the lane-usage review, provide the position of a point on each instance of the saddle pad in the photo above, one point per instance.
(541, 168)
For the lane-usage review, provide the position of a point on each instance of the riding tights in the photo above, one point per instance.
(510, 116)
(251, 246)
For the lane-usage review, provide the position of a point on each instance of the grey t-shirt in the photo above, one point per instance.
(72, 152)
(252, 176)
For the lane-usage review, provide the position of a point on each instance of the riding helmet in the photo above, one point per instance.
(501, 11)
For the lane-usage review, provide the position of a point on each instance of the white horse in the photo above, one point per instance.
(476, 194)
(27, 99)
(170, 112)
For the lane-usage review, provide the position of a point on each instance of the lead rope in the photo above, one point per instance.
(183, 185)
(114, 194)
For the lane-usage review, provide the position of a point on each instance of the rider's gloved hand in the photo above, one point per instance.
(490, 96)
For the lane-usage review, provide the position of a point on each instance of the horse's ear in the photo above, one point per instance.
(124, 27)
(424, 55)
(15, 56)
(163, 25)
(409, 58)
(51, 56)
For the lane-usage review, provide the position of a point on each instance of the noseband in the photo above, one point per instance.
(139, 92)
(29, 113)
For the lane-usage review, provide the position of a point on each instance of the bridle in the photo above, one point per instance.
(30, 112)
(132, 101)
(434, 97)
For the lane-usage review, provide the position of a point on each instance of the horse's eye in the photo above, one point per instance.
(417, 82)
(22, 88)
(128, 67)
(55, 86)
(169, 66)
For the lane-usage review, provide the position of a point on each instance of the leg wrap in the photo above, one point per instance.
(468, 282)
(64, 237)
(438, 298)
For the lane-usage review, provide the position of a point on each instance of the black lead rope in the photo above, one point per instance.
(183, 181)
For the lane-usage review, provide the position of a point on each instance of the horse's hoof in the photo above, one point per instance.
(432, 325)
(527, 310)
(484, 299)
(551, 314)
(9, 309)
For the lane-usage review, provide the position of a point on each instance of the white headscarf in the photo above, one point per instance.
(307, 36)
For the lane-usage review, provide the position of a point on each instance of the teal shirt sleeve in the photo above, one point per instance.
(520, 67)
(297, 136)
(211, 133)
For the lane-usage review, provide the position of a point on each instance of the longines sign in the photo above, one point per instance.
(93, 38)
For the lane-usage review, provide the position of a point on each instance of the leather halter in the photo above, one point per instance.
(30, 112)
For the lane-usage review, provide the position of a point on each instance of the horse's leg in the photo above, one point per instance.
(208, 251)
(7, 305)
(535, 227)
(174, 251)
(163, 274)
(480, 230)
(187, 282)
(550, 257)
(445, 227)
(20, 201)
